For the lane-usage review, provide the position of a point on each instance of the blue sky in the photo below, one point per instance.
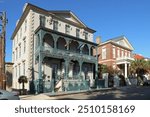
(110, 18)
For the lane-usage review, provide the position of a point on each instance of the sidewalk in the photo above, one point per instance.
(52, 95)
(35, 97)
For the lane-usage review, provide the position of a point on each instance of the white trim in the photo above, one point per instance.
(77, 19)
(103, 47)
(107, 60)
(124, 62)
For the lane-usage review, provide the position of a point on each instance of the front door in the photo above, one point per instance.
(85, 72)
(54, 72)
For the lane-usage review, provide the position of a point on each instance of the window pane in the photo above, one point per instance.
(67, 29)
(77, 33)
(24, 46)
(42, 21)
(55, 26)
(114, 53)
(118, 53)
(86, 35)
(104, 53)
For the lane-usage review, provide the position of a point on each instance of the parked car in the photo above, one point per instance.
(6, 95)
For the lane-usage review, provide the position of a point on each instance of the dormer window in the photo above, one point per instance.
(55, 25)
(67, 29)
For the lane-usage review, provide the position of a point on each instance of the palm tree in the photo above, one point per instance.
(23, 80)
(148, 66)
(139, 67)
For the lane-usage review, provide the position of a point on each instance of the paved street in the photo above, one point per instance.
(123, 93)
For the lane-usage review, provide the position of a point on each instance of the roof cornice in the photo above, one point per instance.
(25, 13)
(45, 12)
(111, 42)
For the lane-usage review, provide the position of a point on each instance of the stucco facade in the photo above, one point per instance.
(52, 48)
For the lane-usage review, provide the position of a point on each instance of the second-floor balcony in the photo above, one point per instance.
(58, 53)
(124, 59)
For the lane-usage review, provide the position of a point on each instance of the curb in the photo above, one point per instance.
(78, 92)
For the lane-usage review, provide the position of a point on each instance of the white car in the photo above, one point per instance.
(6, 95)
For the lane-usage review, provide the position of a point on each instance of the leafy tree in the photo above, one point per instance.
(112, 70)
(23, 80)
(107, 69)
(148, 66)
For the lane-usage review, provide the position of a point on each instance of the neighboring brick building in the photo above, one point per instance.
(116, 52)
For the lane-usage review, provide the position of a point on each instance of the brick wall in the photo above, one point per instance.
(110, 61)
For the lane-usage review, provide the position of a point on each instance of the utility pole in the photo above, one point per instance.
(3, 22)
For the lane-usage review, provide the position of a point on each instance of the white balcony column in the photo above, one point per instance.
(126, 70)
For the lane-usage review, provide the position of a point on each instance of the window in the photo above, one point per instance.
(13, 56)
(14, 42)
(86, 35)
(20, 33)
(19, 50)
(24, 45)
(122, 53)
(125, 53)
(37, 41)
(25, 26)
(24, 68)
(19, 70)
(118, 52)
(17, 37)
(103, 53)
(16, 53)
(67, 29)
(129, 54)
(77, 33)
(42, 21)
(16, 71)
(55, 25)
(114, 52)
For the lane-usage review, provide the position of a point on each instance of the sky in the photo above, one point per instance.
(110, 18)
